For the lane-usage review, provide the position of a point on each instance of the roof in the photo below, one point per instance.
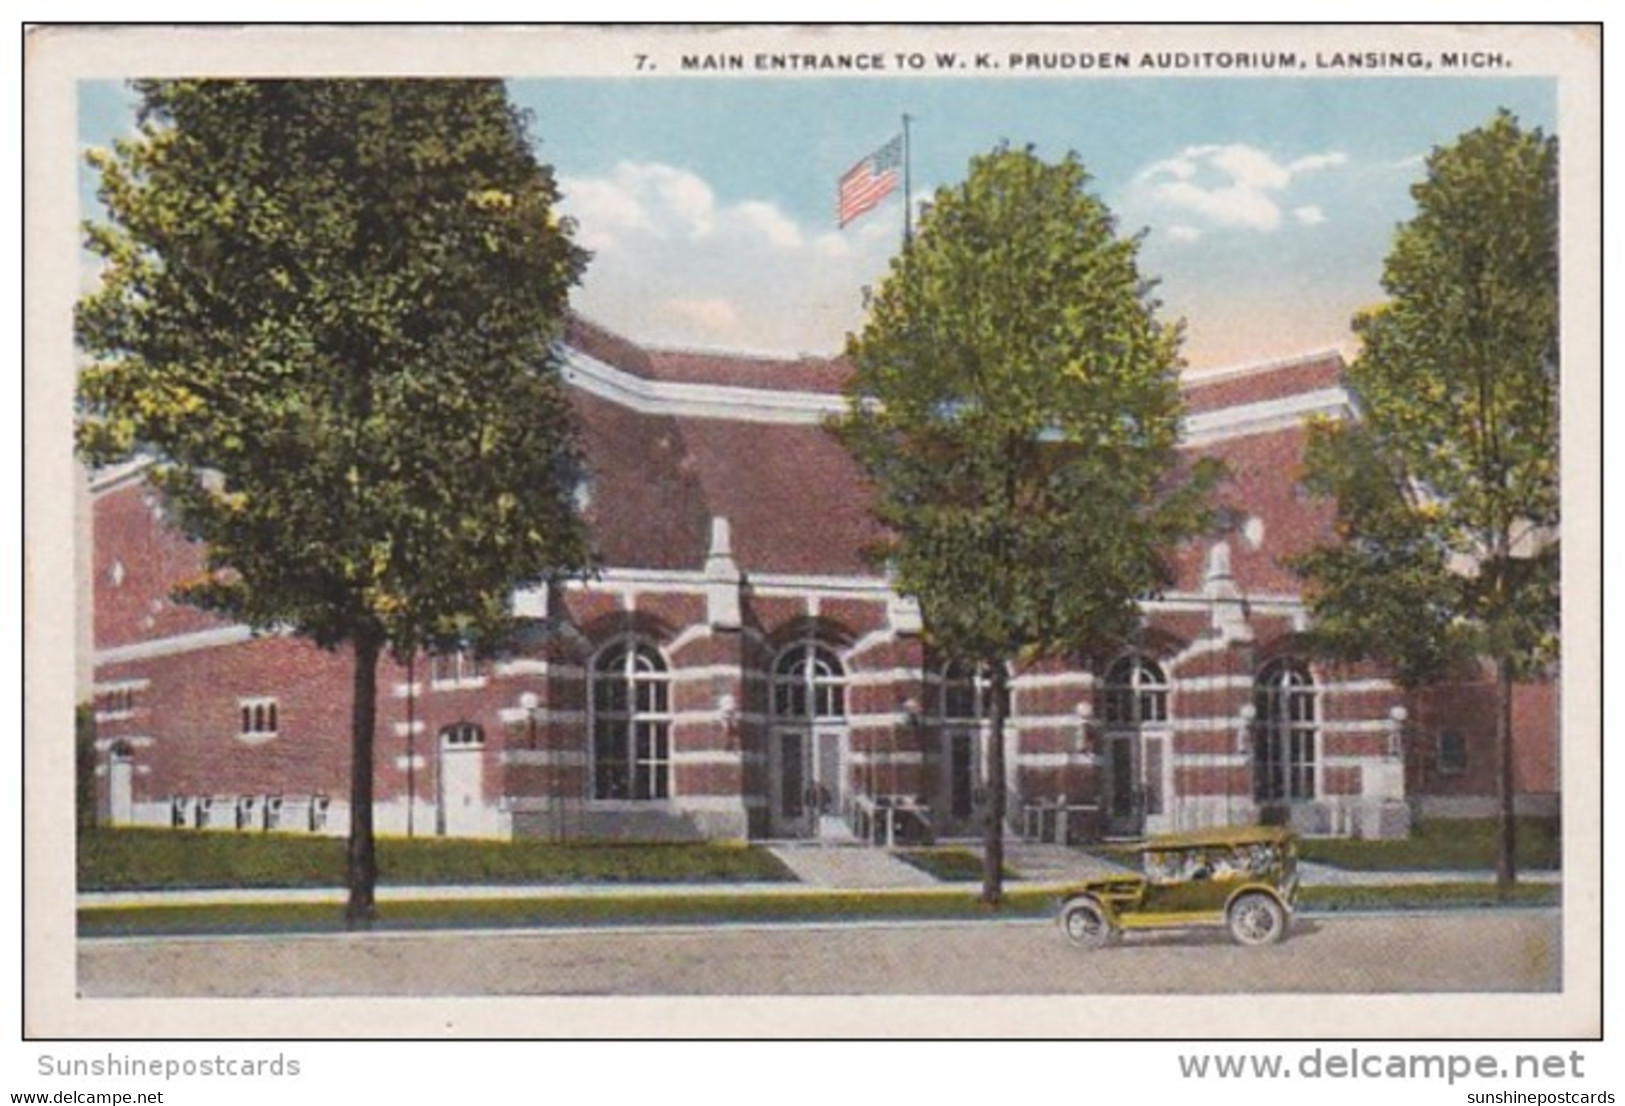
(1219, 835)
(1260, 383)
(804, 373)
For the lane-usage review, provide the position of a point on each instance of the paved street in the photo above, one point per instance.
(1460, 951)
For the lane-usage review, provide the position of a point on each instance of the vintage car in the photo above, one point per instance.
(1243, 878)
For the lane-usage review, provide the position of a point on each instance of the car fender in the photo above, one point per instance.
(1259, 887)
(1107, 910)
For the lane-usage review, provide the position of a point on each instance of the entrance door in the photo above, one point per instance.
(963, 776)
(790, 766)
(808, 783)
(120, 789)
(1124, 795)
(462, 750)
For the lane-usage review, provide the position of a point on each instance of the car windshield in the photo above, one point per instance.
(1217, 862)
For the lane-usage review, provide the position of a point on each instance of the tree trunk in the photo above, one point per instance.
(1506, 862)
(361, 861)
(993, 830)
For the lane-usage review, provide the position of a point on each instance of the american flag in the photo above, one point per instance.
(868, 182)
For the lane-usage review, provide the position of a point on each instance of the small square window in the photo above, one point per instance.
(257, 718)
(1452, 753)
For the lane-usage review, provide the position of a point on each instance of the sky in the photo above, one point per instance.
(1267, 204)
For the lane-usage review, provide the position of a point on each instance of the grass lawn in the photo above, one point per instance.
(1442, 844)
(147, 859)
(697, 909)
(1437, 845)
(949, 864)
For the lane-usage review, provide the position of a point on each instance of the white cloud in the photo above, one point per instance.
(675, 265)
(1235, 186)
(1319, 161)
(712, 316)
(1180, 232)
(767, 219)
(1309, 215)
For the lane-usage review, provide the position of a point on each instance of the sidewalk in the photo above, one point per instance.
(818, 870)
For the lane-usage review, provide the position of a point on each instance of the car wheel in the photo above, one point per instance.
(1085, 924)
(1257, 919)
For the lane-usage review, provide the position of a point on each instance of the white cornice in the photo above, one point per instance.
(1207, 427)
(697, 401)
(765, 405)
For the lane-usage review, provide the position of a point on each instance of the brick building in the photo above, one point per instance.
(738, 670)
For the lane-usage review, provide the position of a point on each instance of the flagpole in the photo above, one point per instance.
(908, 190)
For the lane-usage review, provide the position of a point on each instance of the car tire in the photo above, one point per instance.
(1086, 925)
(1257, 919)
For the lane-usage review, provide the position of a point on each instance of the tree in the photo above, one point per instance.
(326, 315)
(1015, 403)
(84, 768)
(1446, 484)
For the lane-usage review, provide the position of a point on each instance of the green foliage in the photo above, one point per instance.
(1442, 844)
(1016, 404)
(677, 908)
(164, 859)
(84, 767)
(326, 314)
(1447, 485)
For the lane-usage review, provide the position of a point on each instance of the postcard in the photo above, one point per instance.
(788, 531)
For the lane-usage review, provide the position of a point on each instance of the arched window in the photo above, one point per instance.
(809, 682)
(631, 723)
(1284, 736)
(967, 695)
(1136, 692)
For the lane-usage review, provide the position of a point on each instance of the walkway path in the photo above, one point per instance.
(850, 867)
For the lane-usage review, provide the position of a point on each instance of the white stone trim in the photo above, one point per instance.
(699, 631)
(111, 686)
(1283, 413)
(1357, 726)
(881, 677)
(519, 716)
(1211, 760)
(1356, 761)
(417, 762)
(113, 476)
(697, 401)
(412, 690)
(781, 584)
(1212, 683)
(1047, 760)
(728, 804)
(522, 666)
(874, 639)
(417, 726)
(543, 758)
(707, 756)
(805, 408)
(1040, 680)
(704, 673)
(105, 744)
(881, 757)
(173, 646)
(1213, 723)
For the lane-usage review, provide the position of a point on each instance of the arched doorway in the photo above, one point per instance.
(807, 756)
